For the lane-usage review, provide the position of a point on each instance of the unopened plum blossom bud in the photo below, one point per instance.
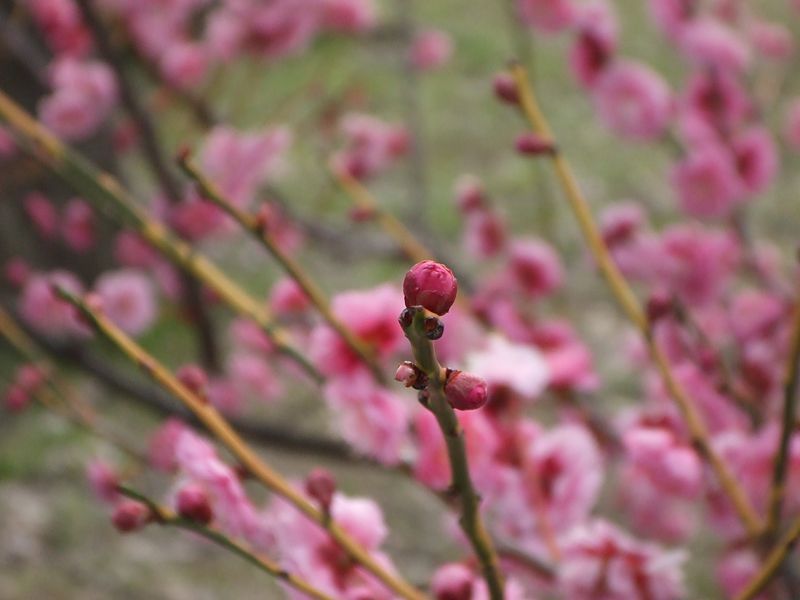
(193, 377)
(431, 285)
(465, 391)
(659, 305)
(505, 88)
(410, 375)
(321, 486)
(533, 144)
(452, 582)
(130, 515)
(193, 504)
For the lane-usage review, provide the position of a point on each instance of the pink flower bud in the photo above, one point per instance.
(130, 515)
(505, 88)
(17, 271)
(103, 481)
(452, 582)
(321, 486)
(465, 391)
(431, 285)
(193, 377)
(533, 144)
(30, 377)
(405, 374)
(16, 398)
(192, 503)
(659, 305)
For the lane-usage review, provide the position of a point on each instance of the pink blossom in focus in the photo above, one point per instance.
(756, 159)
(535, 267)
(42, 213)
(633, 100)
(547, 16)
(78, 225)
(707, 182)
(128, 300)
(600, 562)
(45, 312)
(431, 49)
(709, 43)
(352, 16)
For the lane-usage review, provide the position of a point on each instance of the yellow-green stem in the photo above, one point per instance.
(630, 305)
(246, 456)
(258, 230)
(462, 487)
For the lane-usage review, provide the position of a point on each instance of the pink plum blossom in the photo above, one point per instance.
(521, 368)
(78, 225)
(548, 16)
(534, 267)
(47, 313)
(756, 159)
(771, 40)
(600, 562)
(128, 300)
(42, 213)
(83, 95)
(633, 100)
(709, 43)
(184, 65)
(431, 49)
(371, 145)
(352, 16)
(707, 182)
(595, 43)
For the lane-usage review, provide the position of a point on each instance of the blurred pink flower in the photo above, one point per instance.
(710, 43)
(131, 250)
(756, 158)
(431, 49)
(128, 300)
(521, 368)
(78, 225)
(287, 297)
(83, 96)
(253, 377)
(352, 16)
(633, 100)
(371, 145)
(534, 267)
(772, 40)
(707, 182)
(548, 16)
(372, 419)
(45, 312)
(42, 213)
(600, 562)
(184, 64)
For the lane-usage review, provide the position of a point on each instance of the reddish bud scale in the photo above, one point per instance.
(431, 285)
(321, 486)
(505, 88)
(193, 504)
(193, 377)
(465, 391)
(533, 144)
(130, 515)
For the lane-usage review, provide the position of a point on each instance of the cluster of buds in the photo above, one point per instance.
(432, 286)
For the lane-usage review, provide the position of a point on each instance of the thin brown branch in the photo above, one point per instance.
(160, 166)
(221, 429)
(470, 521)
(627, 300)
